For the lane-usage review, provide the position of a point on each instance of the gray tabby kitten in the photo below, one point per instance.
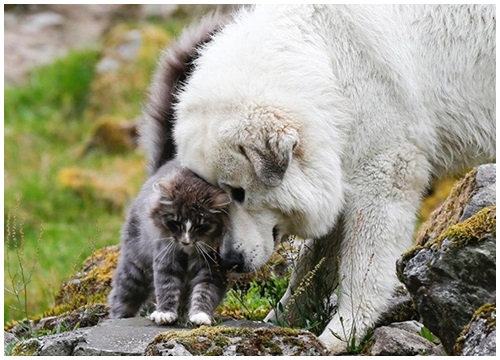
(170, 242)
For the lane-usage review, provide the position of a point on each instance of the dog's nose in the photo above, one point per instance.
(233, 261)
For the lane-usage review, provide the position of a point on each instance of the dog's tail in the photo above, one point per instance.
(173, 69)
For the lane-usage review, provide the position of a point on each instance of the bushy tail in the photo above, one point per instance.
(174, 67)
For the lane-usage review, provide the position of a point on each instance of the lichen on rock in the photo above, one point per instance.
(228, 341)
(479, 336)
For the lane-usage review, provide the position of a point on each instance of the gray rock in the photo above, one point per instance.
(450, 278)
(61, 344)
(125, 337)
(120, 337)
(9, 340)
(479, 337)
(484, 193)
(400, 308)
(401, 339)
(231, 341)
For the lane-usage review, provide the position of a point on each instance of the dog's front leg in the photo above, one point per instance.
(378, 227)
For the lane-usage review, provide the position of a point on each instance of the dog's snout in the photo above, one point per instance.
(233, 261)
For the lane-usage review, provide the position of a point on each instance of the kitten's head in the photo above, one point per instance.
(190, 210)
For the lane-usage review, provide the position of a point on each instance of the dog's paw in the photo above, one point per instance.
(333, 344)
(201, 318)
(161, 318)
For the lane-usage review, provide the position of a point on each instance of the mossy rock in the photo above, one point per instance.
(452, 275)
(228, 341)
(474, 337)
(113, 135)
(474, 229)
(80, 302)
(93, 280)
(26, 348)
(112, 185)
(450, 211)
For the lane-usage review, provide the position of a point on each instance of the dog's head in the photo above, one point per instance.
(278, 186)
(267, 138)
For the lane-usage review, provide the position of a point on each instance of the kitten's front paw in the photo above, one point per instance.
(161, 318)
(201, 318)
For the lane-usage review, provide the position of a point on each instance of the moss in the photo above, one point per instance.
(113, 135)
(213, 340)
(112, 187)
(475, 228)
(93, 282)
(486, 312)
(450, 211)
(26, 348)
(87, 292)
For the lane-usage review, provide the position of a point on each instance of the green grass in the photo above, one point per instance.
(44, 132)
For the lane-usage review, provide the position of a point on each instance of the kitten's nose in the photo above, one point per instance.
(185, 240)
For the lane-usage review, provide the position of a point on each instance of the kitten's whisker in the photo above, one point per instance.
(165, 251)
(211, 258)
(171, 238)
(203, 253)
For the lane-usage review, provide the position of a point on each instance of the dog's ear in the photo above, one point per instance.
(270, 159)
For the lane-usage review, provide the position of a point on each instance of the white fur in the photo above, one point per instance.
(201, 318)
(370, 102)
(161, 318)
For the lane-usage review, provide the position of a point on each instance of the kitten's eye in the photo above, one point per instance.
(202, 229)
(173, 225)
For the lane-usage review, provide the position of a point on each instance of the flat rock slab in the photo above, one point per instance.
(119, 337)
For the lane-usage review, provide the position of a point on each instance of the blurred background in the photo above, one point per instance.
(75, 77)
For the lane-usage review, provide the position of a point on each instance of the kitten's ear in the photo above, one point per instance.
(163, 189)
(221, 201)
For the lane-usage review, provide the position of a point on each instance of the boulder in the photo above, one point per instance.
(474, 192)
(401, 339)
(452, 272)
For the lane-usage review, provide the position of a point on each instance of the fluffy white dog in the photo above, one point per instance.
(329, 122)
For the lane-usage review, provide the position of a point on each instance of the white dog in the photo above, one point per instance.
(329, 122)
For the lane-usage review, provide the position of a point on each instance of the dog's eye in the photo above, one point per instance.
(238, 194)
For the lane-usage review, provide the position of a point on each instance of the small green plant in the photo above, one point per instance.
(254, 302)
(428, 335)
(19, 279)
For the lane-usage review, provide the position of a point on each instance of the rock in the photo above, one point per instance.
(484, 193)
(231, 341)
(9, 340)
(113, 135)
(479, 336)
(93, 282)
(138, 336)
(66, 319)
(400, 308)
(60, 344)
(475, 191)
(400, 339)
(453, 274)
